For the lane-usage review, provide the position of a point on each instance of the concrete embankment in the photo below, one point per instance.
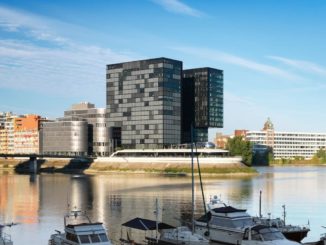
(89, 166)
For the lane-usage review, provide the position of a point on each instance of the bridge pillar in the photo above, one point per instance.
(33, 165)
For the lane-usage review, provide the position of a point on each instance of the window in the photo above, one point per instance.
(84, 239)
(71, 237)
(103, 237)
(95, 238)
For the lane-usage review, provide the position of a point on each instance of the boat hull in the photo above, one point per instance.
(221, 235)
(296, 236)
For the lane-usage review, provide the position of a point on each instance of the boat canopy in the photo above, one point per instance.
(228, 209)
(146, 224)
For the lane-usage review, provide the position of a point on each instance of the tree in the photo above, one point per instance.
(237, 146)
(321, 155)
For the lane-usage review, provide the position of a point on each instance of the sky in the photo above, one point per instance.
(54, 54)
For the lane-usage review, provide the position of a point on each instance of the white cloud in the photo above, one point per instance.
(35, 26)
(62, 67)
(177, 6)
(67, 70)
(215, 55)
(301, 64)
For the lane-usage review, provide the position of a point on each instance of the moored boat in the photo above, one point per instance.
(224, 224)
(264, 235)
(292, 232)
(160, 234)
(78, 229)
(5, 239)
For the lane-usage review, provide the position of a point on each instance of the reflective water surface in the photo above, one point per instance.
(39, 202)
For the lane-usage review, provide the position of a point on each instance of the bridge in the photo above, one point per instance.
(7, 155)
(33, 166)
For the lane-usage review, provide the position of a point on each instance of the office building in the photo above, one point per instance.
(144, 101)
(66, 136)
(287, 144)
(102, 140)
(202, 102)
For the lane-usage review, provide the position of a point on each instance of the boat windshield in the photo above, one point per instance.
(232, 223)
(267, 234)
(94, 238)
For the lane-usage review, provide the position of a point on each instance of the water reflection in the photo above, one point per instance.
(40, 202)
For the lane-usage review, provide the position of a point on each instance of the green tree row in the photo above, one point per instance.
(320, 156)
(238, 146)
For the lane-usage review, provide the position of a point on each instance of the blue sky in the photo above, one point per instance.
(53, 53)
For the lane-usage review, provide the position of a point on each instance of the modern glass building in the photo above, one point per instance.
(202, 102)
(101, 139)
(144, 100)
(67, 137)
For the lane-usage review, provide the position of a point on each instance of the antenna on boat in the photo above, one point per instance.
(156, 215)
(284, 213)
(260, 216)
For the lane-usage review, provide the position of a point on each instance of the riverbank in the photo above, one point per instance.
(90, 167)
(298, 162)
(170, 168)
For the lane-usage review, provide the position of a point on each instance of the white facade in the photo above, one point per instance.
(288, 144)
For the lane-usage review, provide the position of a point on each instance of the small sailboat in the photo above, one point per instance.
(78, 229)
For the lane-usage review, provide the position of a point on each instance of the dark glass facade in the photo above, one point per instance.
(144, 100)
(202, 102)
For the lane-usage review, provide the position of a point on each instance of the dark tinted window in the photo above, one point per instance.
(95, 238)
(71, 237)
(103, 237)
(84, 239)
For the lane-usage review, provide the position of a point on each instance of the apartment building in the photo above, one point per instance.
(287, 144)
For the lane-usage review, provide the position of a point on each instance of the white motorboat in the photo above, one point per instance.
(224, 224)
(264, 235)
(5, 239)
(182, 235)
(323, 239)
(292, 232)
(78, 229)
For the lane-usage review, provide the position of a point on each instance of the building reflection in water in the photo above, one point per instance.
(81, 193)
(116, 198)
(19, 199)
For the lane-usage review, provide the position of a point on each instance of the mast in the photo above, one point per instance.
(201, 187)
(192, 184)
(156, 215)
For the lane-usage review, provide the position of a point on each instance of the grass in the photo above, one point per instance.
(175, 169)
(213, 170)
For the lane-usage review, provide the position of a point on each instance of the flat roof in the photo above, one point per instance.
(173, 150)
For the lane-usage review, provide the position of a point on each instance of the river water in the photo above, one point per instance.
(39, 202)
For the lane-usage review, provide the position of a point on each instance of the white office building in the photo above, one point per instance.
(287, 144)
